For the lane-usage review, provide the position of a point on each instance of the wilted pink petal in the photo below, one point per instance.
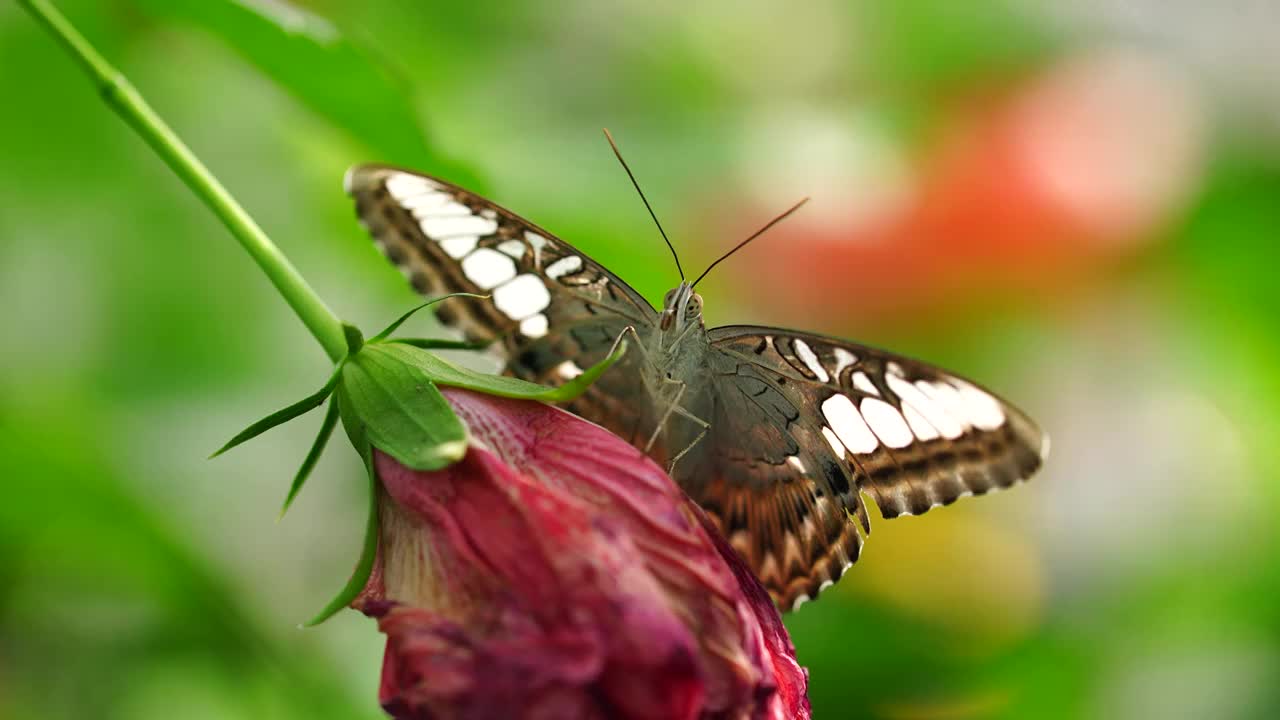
(556, 573)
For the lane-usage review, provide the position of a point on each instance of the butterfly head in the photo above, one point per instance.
(680, 308)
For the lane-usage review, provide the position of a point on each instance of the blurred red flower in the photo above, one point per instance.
(555, 572)
(1027, 186)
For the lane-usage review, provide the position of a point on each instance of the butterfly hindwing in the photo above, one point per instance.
(782, 498)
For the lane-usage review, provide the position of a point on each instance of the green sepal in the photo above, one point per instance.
(284, 415)
(313, 455)
(352, 424)
(443, 372)
(386, 332)
(355, 338)
(368, 554)
(442, 344)
(399, 409)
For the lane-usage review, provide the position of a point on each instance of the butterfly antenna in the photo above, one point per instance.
(614, 145)
(754, 235)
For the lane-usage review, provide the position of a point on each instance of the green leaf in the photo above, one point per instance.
(400, 411)
(364, 567)
(282, 416)
(443, 372)
(442, 344)
(313, 455)
(308, 56)
(386, 332)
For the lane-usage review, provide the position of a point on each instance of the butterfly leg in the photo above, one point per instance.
(666, 414)
(644, 352)
(675, 408)
(706, 427)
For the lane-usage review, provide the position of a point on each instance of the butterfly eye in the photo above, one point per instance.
(694, 307)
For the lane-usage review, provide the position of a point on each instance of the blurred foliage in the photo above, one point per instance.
(1136, 578)
(310, 59)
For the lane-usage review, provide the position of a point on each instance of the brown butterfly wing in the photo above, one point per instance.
(810, 423)
(554, 311)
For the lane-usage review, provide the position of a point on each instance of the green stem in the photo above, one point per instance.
(121, 97)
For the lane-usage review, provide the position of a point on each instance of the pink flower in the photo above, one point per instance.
(555, 572)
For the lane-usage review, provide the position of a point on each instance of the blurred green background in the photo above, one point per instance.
(1078, 206)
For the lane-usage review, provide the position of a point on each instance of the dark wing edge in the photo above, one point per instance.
(908, 435)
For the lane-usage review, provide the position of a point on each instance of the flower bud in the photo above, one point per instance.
(556, 572)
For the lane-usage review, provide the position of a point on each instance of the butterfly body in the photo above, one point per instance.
(676, 357)
(779, 435)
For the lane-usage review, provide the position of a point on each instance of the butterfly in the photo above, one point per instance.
(779, 435)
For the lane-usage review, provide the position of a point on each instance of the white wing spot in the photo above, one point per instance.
(534, 326)
(863, 383)
(403, 185)
(837, 447)
(522, 297)
(795, 462)
(437, 227)
(919, 425)
(450, 208)
(948, 399)
(984, 411)
(458, 247)
(848, 425)
(537, 242)
(800, 600)
(488, 268)
(514, 248)
(566, 265)
(426, 201)
(811, 361)
(844, 359)
(824, 585)
(887, 423)
(568, 370)
(913, 398)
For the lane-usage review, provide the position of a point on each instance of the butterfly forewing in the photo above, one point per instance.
(800, 426)
(554, 311)
(856, 420)
(446, 239)
(915, 436)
